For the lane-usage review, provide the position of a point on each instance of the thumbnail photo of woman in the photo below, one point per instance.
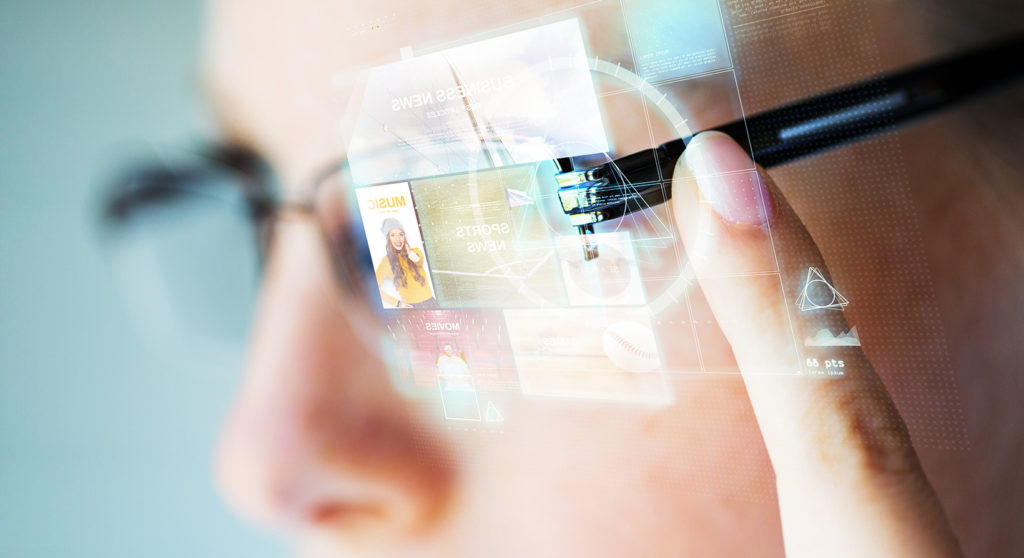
(450, 363)
(401, 273)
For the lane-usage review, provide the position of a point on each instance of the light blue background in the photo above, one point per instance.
(105, 447)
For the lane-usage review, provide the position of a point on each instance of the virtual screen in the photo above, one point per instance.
(517, 98)
(481, 279)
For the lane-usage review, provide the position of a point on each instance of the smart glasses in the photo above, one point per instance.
(799, 129)
(187, 277)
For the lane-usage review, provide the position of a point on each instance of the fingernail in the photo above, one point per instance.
(728, 179)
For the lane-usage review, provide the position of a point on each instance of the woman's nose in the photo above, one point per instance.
(318, 438)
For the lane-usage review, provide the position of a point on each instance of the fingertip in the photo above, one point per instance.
(727, 179)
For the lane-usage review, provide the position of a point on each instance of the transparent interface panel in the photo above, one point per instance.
(487, 239)
(516, 98)
(482, 280)
(482, 242)
(673, 39)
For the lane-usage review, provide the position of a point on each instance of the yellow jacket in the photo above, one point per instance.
(412, 292)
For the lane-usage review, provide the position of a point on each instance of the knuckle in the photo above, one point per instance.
(858, 431)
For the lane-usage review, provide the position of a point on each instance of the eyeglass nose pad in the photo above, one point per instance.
(335, 207)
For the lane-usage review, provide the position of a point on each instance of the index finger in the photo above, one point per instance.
(838, 445)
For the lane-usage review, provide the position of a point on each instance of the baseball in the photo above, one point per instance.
(631, 347)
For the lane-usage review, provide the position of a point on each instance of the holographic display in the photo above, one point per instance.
(590, 353)
(673, 39)
(518, 98)
(392, 232)
(454, 150)
(611, 280)
(488, 243)
(429, 344)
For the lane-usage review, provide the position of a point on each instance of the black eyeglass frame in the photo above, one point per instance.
(625, 184)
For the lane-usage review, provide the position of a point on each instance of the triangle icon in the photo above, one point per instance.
(819, 294)
(491, 414)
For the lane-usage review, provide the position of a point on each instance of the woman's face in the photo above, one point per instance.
(320, 445)
(397, 238)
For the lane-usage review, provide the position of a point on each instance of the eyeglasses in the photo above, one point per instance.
(202, 277)
(799, 129)
(187, 232)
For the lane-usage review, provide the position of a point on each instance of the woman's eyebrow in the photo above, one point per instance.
(227, 124)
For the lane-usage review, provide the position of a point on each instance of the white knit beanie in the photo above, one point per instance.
(389, 225)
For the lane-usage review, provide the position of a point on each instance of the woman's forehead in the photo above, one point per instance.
(279, 73)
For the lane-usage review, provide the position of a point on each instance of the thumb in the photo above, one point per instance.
(838, 446)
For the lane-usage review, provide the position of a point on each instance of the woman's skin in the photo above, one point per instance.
(397, 238)
(320, 446)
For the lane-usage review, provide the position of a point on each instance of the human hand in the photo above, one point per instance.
(403, 304)
(849, 481)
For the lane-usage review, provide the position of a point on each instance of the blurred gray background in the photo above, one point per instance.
(105, 446)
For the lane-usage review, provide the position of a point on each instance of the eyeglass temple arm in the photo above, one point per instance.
(160, 184)
(795, 130)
